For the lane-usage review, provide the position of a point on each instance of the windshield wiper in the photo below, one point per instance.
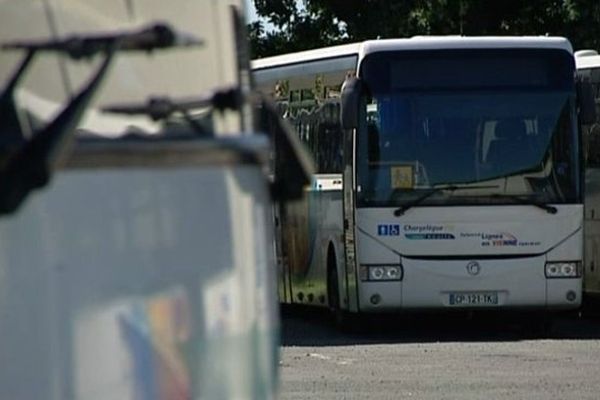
(31, 165)
(161, 108)
(153, 37)
(550, 209)
(451, 188)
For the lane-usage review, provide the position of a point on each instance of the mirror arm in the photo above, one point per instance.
(31, 166)
(9, 114)
(352, 90)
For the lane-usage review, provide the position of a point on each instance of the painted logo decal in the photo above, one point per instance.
(428, 232)
(499, 239)
(429, 236)
(388, 230)
(473, 268)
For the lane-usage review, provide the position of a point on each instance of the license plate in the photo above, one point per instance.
(473, 299)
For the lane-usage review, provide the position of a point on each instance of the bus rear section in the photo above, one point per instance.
(468, 175)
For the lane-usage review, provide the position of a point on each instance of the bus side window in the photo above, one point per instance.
(592, 132)
(593, 146)
(328, 137)
(310, 102)
(373, 142)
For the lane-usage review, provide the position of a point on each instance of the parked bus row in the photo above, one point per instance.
(450, 175)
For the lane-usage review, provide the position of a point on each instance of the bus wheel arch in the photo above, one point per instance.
(333, 295)
(342, 319)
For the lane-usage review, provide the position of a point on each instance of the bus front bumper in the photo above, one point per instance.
(469, 284)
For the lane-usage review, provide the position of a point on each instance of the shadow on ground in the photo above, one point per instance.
(306, 326)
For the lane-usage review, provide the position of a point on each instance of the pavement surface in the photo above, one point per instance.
(439, 357)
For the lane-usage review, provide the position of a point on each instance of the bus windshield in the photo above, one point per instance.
(434, 118)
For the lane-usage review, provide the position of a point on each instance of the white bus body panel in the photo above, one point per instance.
(311, 227)
(435, 244)
(135, 76)
(464, 42)
(123, 283)
(414, 43)
(587, 61)
(136, 281)
(592, 231)
(590, 60)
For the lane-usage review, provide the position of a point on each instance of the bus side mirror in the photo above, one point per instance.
(352, 90)
(586, 101)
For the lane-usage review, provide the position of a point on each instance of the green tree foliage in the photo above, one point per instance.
(317, 23)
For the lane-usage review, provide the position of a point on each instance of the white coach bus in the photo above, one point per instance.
(136, 246)
(588, 67)
(453, 180)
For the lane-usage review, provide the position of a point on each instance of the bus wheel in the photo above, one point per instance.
(342, 319)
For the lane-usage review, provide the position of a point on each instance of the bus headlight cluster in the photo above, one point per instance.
(563, 269)
(381, 272)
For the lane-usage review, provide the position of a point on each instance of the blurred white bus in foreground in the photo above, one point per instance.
(136, 249)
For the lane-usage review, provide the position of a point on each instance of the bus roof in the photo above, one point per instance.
(417, 43)
(587, 59)
(308, 55)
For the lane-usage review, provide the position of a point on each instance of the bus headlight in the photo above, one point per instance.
(381, 272)
(567, 269)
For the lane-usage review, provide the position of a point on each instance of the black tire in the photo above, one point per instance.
(342, 319)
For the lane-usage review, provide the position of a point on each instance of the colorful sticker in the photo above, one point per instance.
(498, 239)
(402, 177)
(156, 331)
(388, 230)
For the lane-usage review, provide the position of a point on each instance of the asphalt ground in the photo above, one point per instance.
(439, 356)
